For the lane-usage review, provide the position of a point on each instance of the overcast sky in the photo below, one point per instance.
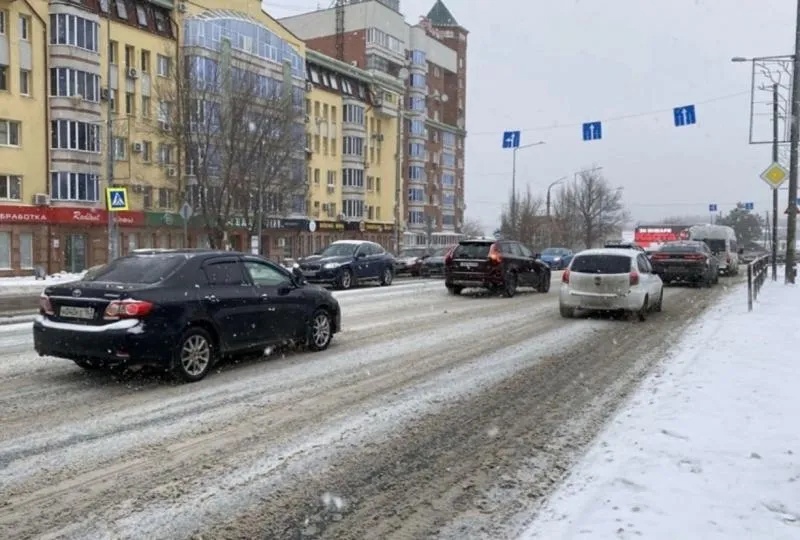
(536, 64)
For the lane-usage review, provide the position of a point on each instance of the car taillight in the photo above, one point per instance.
(494, 254)
(657, 256)
(45, 305)
(565, 276)
(634, 278)
(127, 309)
(696, 256)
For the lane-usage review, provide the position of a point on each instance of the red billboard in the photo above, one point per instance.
(11, 213)
(649, 235)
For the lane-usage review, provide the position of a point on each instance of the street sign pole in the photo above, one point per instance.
(794, 138)
(774, 246)
(711, 209)
(186, 213)
(514, 190)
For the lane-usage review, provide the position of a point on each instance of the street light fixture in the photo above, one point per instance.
(514, 182)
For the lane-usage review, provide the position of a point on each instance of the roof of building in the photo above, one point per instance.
(439, 15)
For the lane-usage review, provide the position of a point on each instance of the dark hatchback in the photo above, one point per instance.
(346, 263)
(686, 261)
(434, 264)
(182, 310)
(496, 265)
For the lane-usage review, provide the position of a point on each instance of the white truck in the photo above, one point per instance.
(722, 242)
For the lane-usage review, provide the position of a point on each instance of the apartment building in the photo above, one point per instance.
(373, 35)
(352, 136)
(66, 68)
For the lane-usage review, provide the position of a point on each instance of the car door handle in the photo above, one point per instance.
(265, 296)
(211, 298)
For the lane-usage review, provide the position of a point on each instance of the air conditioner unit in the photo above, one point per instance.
(104, 94)
(182, 7)
(281, 242)
(164, 126)
(137, 147)
(378, 137)
(132, 73)
(172, 172)
(41, 199)
(341, 217)
(331, 189)
(319, 119)
(309, 86)
(138, 188)
(354, 63)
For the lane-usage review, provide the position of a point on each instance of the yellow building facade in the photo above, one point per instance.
(65, 68)
(352, 133)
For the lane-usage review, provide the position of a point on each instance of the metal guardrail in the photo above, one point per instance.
(756, 276)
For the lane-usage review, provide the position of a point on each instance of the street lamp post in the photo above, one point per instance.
(514, 182)
(398, 172)
(113, 251)
(550, 221)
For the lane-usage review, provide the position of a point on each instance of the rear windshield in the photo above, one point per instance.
(601, 264)
(143, 270)
(678, 248)
(714, 244)
(412, 253)
(472, 251)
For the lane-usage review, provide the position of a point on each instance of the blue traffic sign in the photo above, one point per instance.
(749, 206)
(592, 131)
(511, 139)
(117, 199)
(684, 116)
(712, 207)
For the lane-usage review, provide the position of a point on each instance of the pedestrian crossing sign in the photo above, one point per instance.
(117, 199)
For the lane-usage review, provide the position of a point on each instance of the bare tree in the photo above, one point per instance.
(529, 224)
(239, 137)
(684, 220)
(472, 227)
(588, 210)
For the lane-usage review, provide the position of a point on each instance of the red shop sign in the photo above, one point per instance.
(23, 214)
(93, 216)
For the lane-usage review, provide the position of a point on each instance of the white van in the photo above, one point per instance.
(722, 242)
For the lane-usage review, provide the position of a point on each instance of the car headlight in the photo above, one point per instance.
(556, 259)
(295, 265)
(331, 266)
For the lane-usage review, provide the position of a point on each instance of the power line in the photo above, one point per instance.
(613, 118)
(766, 204)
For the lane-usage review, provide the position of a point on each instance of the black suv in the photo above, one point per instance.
(182, 310)
(497, 265)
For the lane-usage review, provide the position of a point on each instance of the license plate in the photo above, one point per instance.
(308, 273)
(469, 265)
(76, 312)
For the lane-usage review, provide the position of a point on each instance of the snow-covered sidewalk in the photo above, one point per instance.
(708, 447)
(19, 286)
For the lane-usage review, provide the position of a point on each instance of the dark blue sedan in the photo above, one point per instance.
(557, 258)
(346, 263)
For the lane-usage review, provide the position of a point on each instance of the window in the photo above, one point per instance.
(67, 186)
(163, 65)
(145, 106)
(165, 197)
(112, 51)
(130, 103)
(353, 208)
(122, 10)
(353, 114)
(416, 127)
(120, 148)
(416, 150)
(144, 65)
(415, 172)
(416, 195)
(448, 160)
(418, 57)
(225, 273)
(416, 217)
(141, 16)
(24, 82)
(332, 178)
(2, 22)
(140, 270)
(353, 178)
(448, 180)
(72, 135)
(24, 28)
(3, 77)
(65, 82)
(416, 104)
(165, 153)
(601, 264)
(130, 56)
(448, 139)
(10, 187)
(448, 199)
(76, 32)
(5, 250)
(147, 151)
(9, 133)
(112, 96)
(353, 146)
(26, 250)
(265, 275)
(448, 220)
(418, 80)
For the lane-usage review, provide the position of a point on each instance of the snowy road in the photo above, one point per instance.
(410, 425)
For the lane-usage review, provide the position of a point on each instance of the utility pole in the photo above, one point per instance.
(550, 221)
(398, 173)
(113, 253)
(514, 183)
(794, 135)
(774, 247)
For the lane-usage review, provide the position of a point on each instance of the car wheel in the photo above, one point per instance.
(386, 278)
(510, 285)
(643, 311)
(659, 307)
(544, 283)
(320, 331)
(566, 312)
(345, 279)
(195, 355)
(88, 365)
(455, 290)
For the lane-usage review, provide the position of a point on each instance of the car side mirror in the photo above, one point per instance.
(285, 288)
(360, 255)
(298, 276)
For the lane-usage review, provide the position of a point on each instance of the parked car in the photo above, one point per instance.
(686, 261)
(409, 261)
(557, 257)
(496, 265)
(434, 264)
(621, 244)
(610, 279)
(182, 310)
(347, 263)
(752, 252)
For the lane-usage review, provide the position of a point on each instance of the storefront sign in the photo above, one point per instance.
(93, 216)
(330, 226)
(295, 224)
(163, 219)
(23, 214)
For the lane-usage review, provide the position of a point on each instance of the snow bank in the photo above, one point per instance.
(18, 286)
(709, 447)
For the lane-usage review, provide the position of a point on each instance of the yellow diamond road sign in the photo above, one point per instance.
(775, 175)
